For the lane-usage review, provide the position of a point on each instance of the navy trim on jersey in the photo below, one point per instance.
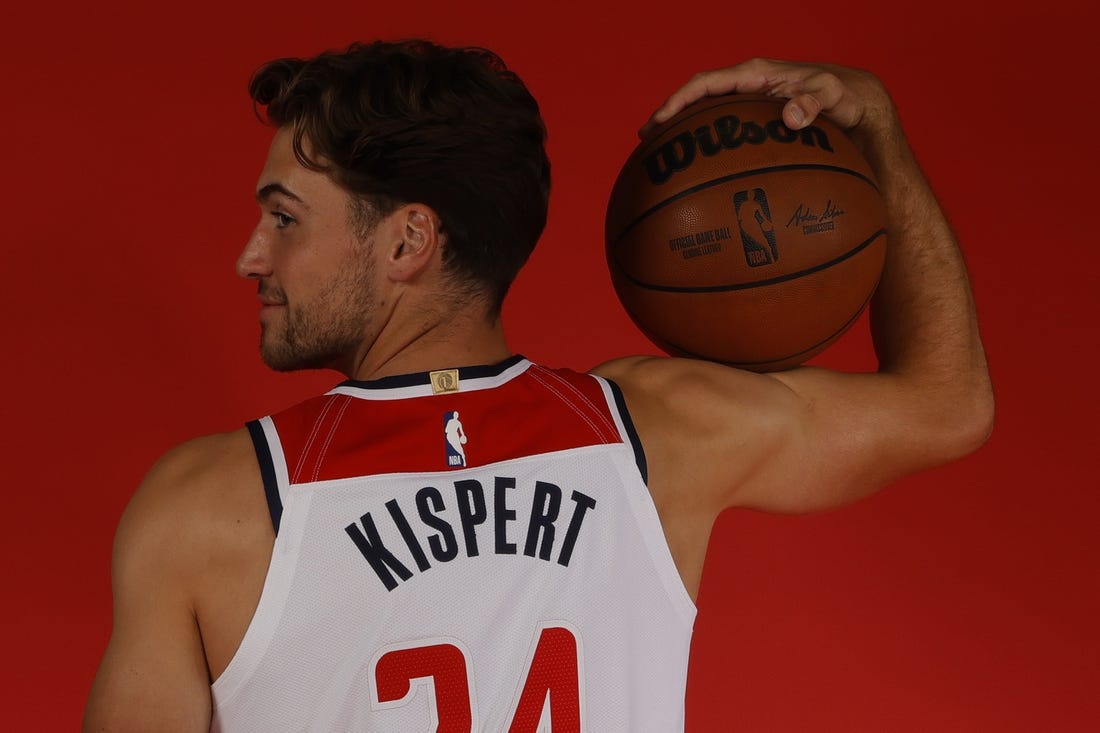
(419, 378)
(267, 472)
(639, 453)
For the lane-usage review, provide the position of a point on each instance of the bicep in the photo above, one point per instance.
(838, 437)
(150, 679)
(797, 441)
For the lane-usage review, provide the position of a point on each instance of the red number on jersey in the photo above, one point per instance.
(552, 673)
(446, 665)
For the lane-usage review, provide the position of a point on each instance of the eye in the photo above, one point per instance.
(282, 221)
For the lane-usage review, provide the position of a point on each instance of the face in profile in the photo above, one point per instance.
(314, 270)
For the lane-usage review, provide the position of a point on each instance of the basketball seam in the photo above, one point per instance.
(795, 355)
(734, 176)
(758, 283)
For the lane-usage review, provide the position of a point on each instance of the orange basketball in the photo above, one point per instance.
(733, 238)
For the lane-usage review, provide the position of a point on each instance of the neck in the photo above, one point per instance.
(461, 341)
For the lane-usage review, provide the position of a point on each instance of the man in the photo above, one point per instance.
(330, 568)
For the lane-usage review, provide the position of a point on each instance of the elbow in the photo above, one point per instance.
(979, 421)
(968, 421)
(947, 421)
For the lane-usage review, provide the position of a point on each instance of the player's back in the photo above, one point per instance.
(519, 580)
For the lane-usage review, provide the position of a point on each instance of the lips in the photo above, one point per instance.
(270, 296)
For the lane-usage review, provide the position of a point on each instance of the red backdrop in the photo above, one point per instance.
(961, 599)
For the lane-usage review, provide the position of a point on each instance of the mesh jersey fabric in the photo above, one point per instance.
(486, 558)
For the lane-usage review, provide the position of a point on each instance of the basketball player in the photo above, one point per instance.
(328, 569)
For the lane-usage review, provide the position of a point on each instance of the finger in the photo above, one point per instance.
(756, 76)
(703, 84)
(695, 89)
(819, 93)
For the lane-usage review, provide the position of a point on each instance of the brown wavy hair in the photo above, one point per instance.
(412, 121)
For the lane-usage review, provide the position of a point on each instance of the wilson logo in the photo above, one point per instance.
(725, 133)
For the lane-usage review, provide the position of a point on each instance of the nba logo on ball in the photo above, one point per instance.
(454, 439)
(754, 218)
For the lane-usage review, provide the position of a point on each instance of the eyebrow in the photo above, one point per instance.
(266, 192)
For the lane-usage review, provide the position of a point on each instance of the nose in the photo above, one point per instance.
(254, 261)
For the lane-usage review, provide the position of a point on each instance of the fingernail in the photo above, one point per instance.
(797, 116)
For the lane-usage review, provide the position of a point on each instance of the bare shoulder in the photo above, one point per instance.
(203, 458)
(210, 494)
(710, 434)
(190, 543)
(693, 416)
(194, 487)
(696, 390)
(657, 376)
(199, 518)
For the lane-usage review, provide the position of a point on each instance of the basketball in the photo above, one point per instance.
(731, 237)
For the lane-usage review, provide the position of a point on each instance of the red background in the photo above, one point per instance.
(963, 599)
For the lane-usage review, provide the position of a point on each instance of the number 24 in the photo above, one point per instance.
(552, 671)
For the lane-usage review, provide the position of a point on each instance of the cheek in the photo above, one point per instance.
(295, 267)
(320, 261)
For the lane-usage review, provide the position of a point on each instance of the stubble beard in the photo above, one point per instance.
(324, 333)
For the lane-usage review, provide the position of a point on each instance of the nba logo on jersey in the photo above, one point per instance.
(455, 440)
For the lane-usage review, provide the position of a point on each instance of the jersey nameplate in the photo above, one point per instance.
(553, 527)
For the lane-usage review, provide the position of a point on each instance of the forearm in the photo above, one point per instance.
(923, 320)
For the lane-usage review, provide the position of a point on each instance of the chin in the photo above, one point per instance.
(277, 355)
(282, 358)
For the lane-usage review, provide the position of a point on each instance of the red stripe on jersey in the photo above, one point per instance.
(538, 411)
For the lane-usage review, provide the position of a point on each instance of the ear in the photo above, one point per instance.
(415, 242)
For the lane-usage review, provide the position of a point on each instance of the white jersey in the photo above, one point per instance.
(467, 550)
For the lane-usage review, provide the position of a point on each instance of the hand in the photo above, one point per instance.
(852, 98)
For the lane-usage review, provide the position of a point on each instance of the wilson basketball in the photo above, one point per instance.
(733, 238)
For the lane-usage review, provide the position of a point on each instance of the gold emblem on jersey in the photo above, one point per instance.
(444, 381)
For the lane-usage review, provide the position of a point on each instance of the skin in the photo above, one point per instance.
(193, 546)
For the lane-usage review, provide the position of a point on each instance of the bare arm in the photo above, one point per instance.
(190, 557)
(153, 675)
(810, 438)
